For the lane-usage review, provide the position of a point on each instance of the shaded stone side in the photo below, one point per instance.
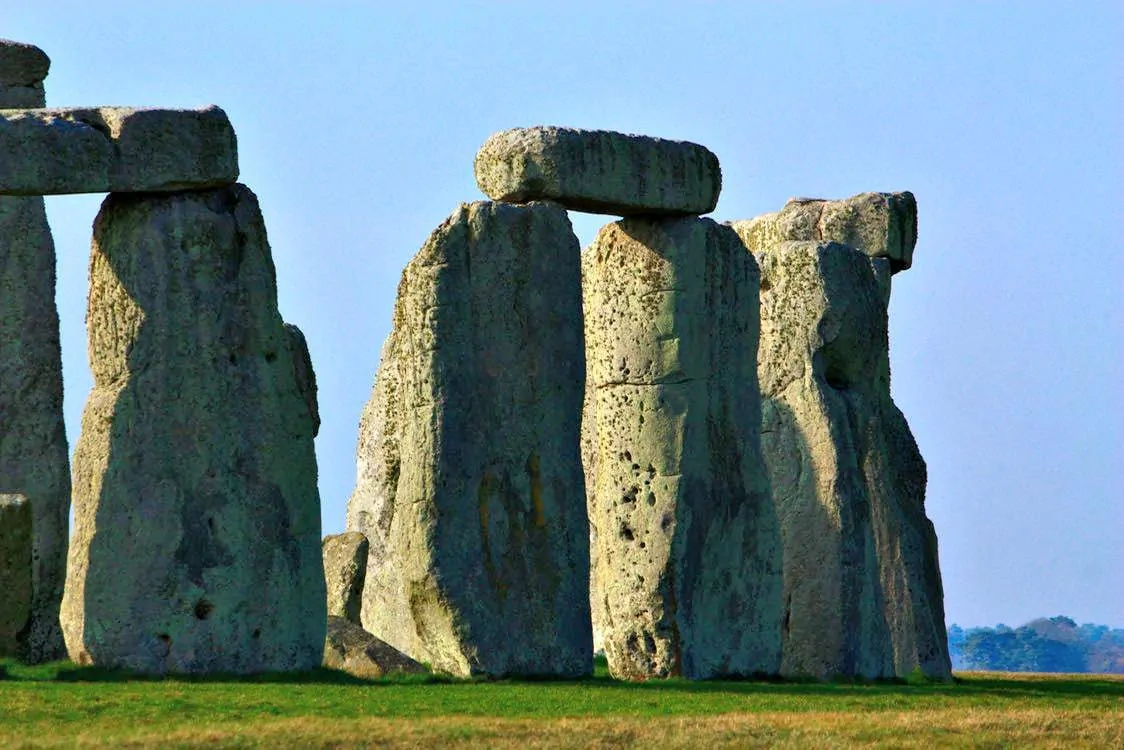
(349, 648)
(862, 593)
(196, 546)
(469, 482)
(687, 562)
(34, 457)
(882, 225)
(345, 571)
(599, 171)
(15, 571)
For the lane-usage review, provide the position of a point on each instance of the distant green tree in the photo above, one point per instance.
(1054, 644)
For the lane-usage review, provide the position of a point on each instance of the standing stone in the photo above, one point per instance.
(345, 570)
(197, 520)
(599, 171)
(34, 457)
(22, 70)
(882, 225)
(15, 571)
(470, 482)
(349, 648)
(862, 591)
(687, 577)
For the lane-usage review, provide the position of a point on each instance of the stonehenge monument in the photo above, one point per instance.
(34, 459)
(683, 436)
(470, 485)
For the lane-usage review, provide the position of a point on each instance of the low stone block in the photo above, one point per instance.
(882, 225)
(599, 171)
(345, 570)
(22, 64)
(15, 571)
(115, 150)
(349, 648)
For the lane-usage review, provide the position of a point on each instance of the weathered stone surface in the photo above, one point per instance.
(882, 225)
(862, 589)
(349, 648)
(34, 457)
(469, 471)
(115, 149)
(306, 376)
(22, 64)
(15, 571)
(687, 565)
(22, 97)
(196, 544)
(345, 570)
(599, 171)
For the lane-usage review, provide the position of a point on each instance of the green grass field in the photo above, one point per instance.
(61, 705)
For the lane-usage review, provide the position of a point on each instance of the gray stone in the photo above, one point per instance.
(469, 470)
(687, 562)
(22, 64)
(599, 171)
(15, 571)
(22, 97)
(349, 648)
(345, 570)
(196, 542)
(882, 225)
(115, 149)
(306, 376)
(34, 457)
(862, 589)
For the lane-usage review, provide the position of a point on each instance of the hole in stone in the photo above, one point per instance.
(203, 609)
(271, 356)
(211, 524)
(256, 634)
(626, 533)
(233, 359)
(627, 456)
(651, 499)
(165, 639)
(665, 522)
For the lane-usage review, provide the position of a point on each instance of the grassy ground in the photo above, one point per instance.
(60, 705)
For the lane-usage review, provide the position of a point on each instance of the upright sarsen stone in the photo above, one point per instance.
(687, 562)
(862, 590)
(197, 520)
(470, 484)
(34, 457)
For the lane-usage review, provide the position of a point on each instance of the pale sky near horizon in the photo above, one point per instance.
(358, 123)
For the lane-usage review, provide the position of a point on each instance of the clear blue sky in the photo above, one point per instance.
(358, 123)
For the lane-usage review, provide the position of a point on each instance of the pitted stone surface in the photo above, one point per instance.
(15, 571)
(470, 482)
(599, 171)
(862, 589)
(882, 225)
(345, 570)
(34, 457)
(21, 64)
(115, 149)
(687, 573)
(349, 648)
(196, 543)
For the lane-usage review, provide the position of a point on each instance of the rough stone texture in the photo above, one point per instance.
(469, 470)
(34, 457)
(196, 543)
(345, 570)
(115, 149)
(882, 225)
(599, 171)
(350, 648)
(687, 573)
(22, 97)
(306, 376)
(15, 571)
(22, 64)
(862, 590)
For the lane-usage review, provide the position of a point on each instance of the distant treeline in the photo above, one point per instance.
(1054, 644)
